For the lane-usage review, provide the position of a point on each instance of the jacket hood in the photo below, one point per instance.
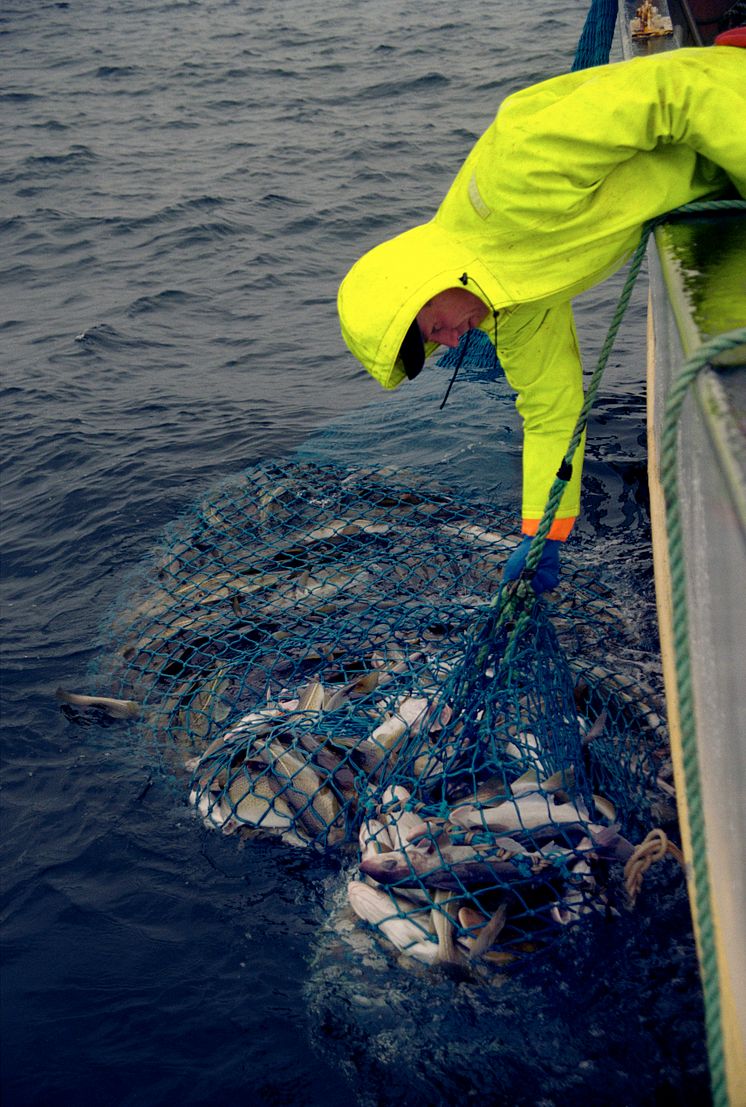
(383, 292)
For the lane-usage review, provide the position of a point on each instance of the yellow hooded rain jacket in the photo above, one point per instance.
(549, 202)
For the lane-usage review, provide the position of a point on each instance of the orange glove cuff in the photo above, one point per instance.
(559, 530)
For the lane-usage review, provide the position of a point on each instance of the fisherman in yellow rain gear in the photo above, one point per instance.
(549, 202)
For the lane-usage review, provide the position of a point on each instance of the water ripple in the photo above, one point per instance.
(184, 183)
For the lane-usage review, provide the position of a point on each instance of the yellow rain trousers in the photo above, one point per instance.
(549, 202)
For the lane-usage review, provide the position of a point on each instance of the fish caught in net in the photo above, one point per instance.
(496, 822)
(317, 656)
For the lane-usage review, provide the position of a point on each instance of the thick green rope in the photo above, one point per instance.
(517, 602)
(685, 692)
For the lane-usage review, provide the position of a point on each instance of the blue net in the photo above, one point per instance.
(594, 45)
(318, 656)
(475, 355)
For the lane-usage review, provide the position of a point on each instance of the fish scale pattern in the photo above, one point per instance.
(319, 656)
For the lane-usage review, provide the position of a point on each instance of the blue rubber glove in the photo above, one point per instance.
(546, 575)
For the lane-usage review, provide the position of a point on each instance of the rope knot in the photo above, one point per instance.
(653, 848)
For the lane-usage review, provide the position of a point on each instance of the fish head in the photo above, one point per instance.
(386, 868)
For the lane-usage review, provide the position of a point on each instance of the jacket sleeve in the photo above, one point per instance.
(538, 350)
(572, 135)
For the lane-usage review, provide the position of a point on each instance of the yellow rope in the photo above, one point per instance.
(651, 849)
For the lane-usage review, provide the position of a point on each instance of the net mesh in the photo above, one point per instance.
(318, 655)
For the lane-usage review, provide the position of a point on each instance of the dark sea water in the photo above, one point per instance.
(183, 184)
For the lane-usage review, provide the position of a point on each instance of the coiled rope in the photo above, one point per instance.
(653, 848)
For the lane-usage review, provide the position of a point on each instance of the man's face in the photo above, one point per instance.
(449, 315)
